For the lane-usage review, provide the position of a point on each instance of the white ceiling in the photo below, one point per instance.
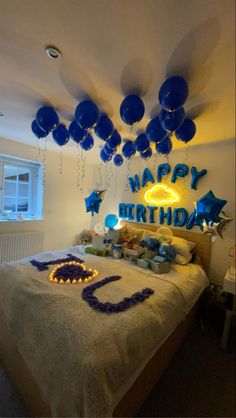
(111, 48)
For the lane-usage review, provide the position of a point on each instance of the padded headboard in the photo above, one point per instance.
(203, 242)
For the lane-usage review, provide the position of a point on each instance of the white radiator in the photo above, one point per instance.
(19, 245)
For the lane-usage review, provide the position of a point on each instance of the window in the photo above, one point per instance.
(21, 191)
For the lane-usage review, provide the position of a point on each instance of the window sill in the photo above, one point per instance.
(21, 220)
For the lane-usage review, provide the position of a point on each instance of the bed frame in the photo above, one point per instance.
(129, 405)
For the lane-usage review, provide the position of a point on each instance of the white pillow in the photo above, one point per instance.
(181, 259)
(183, 247)
(147, 233)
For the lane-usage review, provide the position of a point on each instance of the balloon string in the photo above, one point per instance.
(38, 151)
(127, 176)
(155, 161)
(183, 194)
(83, 169)
(44, 158)
(61, 162)
(77, 165)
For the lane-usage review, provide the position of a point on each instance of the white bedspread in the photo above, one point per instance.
(83, 360)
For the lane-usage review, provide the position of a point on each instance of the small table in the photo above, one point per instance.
(229, 287)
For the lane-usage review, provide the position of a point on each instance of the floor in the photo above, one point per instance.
(200, 382)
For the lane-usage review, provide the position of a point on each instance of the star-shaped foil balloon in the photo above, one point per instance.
(216, 228)
(208, 208)
(94, 200)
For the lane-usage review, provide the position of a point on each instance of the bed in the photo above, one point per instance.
(67, 359)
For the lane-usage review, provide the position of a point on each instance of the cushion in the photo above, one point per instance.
(128, 233)
(181, 259)
(147, 234)
(182, 246)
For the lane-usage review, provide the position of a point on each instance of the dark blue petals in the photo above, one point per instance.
(109, 307)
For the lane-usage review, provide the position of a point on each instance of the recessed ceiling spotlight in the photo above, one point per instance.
(52, 52)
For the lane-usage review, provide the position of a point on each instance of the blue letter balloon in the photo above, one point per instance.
(47, 118)
(37, 131)
(173, 93)
(111, 221)
(154, 131)
(61, 135)
(186, 131)
(164, 147)
(76, 132)
(118, 160)
(87, 114)
(87, 143)
(170, 121)
(104, 128)
(132, 109)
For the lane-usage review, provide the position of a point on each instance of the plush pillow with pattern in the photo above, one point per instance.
(128, 233)
(183, 247)
(147, 233)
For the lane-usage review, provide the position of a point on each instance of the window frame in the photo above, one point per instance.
(35, 189)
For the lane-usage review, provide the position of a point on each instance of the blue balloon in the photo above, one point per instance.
(208, 208)
(170, 121)
(132, 109)
(154, 131)
(47, 118)
(142, 143)
(186, 131)
(145, 155)
(104, 156)
(108, 150)
(37, 131)
(61, 135)
(152, 243)
(93, 201)
(114, 141)
(164, 147)
(173, 93)
(111, 221)
(76, 132)
(128, 149)
(87, 143)
(168, 251)
(87, 114)
(118, 160)
(104, 128)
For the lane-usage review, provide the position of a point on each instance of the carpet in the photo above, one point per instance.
(200, 382)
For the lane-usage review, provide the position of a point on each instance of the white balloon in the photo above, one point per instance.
(99, 228)
(164, 234)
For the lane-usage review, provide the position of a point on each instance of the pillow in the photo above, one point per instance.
(182, 246)
(147, 234)
(129, 233)
(181, 259)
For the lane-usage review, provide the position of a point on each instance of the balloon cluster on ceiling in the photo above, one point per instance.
(171, 119)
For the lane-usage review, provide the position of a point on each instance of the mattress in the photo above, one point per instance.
(82, 360)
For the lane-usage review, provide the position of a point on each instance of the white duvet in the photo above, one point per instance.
(83, 360)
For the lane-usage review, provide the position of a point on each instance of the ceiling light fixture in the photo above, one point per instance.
(52, 52)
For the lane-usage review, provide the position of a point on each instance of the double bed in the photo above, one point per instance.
(68, 359)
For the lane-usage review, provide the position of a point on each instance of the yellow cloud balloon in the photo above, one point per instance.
(161, 194)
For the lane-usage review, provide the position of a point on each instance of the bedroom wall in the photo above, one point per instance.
(218, 159)
(64, 212)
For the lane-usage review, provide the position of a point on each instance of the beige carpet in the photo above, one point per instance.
(200, 382)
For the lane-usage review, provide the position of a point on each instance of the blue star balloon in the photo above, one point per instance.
(93, 201)
(208, 208)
